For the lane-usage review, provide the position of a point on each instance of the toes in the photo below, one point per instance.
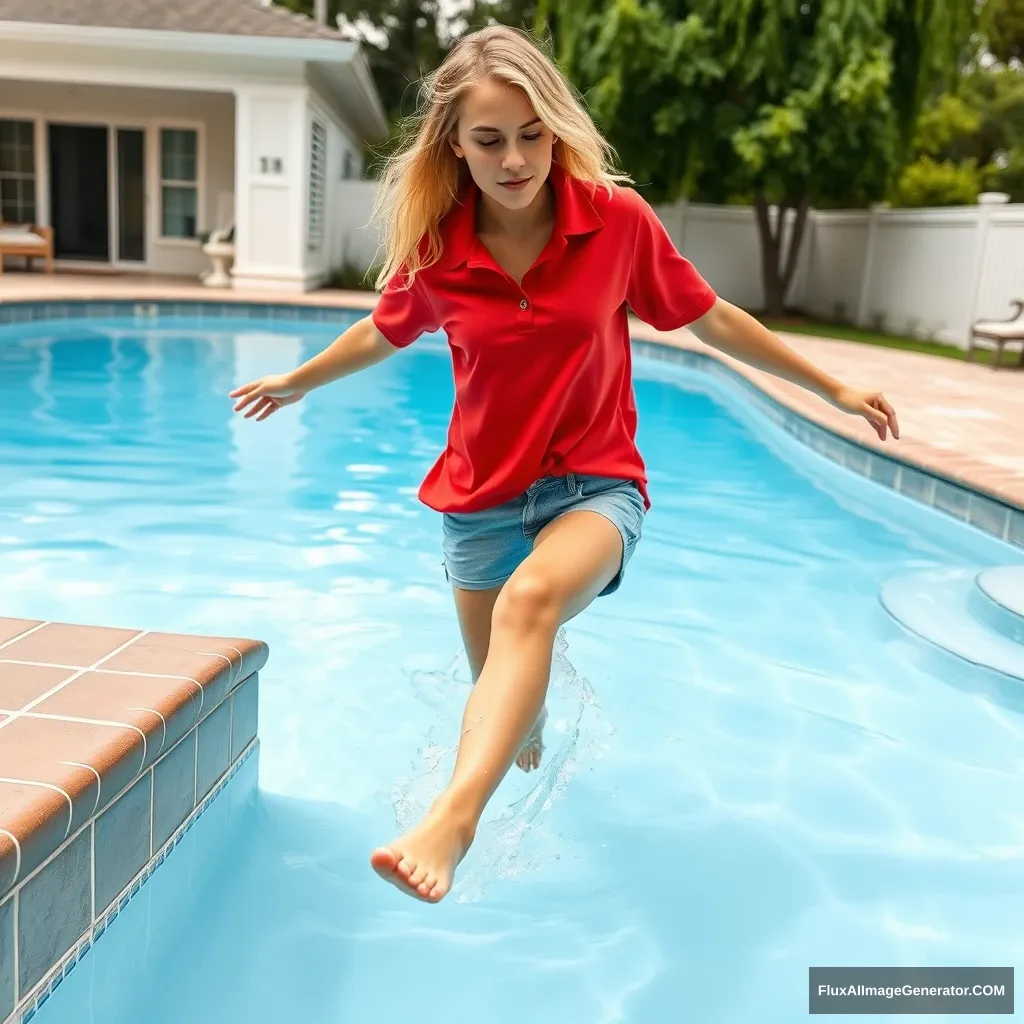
(418, 876)
(384, 861)
(405, 868)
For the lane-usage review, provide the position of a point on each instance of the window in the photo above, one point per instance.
(317, 179)
(179, 182)
(18, 172)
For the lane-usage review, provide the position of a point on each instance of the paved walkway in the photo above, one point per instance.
(964, 421)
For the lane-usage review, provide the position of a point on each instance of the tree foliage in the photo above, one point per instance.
(783, 103)
(403, 40)
(1003, 27)
(975, 134)
(788, 103)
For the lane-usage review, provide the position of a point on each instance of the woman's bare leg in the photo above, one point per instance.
(475, 609)
(573, 560)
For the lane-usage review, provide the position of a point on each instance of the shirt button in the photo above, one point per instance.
(523, 304)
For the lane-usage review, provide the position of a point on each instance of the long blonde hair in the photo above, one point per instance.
(422, 180)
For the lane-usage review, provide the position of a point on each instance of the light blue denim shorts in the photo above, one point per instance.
(483, 549)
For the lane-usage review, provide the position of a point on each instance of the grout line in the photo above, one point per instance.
(231, 665)
(53, 789)
(21, 636)
(17, 945)
(39, 664)
(41, 716)
(195, 772)
(17, 854)
(100, 671)
(163, 722)
(80, 672)
(92, 869)
(99, 781)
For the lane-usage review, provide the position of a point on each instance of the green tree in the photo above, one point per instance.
(1003, 27)
(970, 139)
(791, 103)
(403, 39)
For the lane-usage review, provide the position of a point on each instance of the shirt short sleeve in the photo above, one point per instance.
(665, 290)
(404, 312)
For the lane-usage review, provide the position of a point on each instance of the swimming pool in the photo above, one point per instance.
(750, 770)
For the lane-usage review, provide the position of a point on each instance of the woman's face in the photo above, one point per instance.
(506, 147)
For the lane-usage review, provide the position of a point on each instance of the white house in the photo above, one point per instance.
(133, 126)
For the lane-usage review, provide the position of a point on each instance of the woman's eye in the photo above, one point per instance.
(533, 138)
(489, 143)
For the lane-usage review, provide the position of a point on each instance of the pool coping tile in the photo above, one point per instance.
(88, 714)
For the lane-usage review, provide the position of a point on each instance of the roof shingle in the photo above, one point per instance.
(216, 17)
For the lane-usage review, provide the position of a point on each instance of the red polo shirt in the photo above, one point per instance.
(543, 371)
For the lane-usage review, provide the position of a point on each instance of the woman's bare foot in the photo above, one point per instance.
(422, 863)
(529, 756)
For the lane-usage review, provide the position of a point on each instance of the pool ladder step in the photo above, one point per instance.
(976, 616)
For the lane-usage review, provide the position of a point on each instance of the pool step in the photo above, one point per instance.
(1000, 600)
(978, 617)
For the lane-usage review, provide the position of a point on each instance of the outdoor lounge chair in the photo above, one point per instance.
(29, 240)
(1000, 334)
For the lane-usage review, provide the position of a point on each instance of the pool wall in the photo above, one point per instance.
(102, 775)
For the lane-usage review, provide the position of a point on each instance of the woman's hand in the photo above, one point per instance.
(266, 395)
(873, 406)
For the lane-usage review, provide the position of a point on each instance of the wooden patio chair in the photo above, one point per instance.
(1000, 334)
(33, 241)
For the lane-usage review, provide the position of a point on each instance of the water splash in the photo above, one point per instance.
(511, 839)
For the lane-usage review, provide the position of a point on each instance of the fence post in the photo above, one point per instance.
(987, 201)
(874, 213)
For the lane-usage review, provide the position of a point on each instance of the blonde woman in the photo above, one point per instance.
(508, 229)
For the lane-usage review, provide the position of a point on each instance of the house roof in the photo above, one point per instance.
(212, 17)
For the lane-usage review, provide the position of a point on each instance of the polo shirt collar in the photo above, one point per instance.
(575, 214)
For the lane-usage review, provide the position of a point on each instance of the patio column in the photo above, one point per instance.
(270, 164)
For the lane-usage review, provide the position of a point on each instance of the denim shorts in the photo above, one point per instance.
(483, 549)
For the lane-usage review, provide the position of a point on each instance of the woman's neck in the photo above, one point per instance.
(495, 219)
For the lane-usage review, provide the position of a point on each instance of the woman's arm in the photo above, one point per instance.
(357, 348)
(736, 333)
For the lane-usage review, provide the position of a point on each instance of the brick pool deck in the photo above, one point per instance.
(113, 740)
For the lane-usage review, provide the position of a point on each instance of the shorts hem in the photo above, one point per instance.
(462, 584)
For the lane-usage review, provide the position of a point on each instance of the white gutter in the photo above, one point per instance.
(326, 51)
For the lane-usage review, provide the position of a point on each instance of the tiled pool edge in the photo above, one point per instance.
(968, 502)
(923, 484)
(241, 747)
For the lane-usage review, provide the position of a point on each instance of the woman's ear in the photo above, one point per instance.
(454, 143)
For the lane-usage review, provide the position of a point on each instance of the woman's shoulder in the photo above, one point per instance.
(617, 202)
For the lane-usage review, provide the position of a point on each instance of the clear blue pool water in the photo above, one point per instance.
(751, 769)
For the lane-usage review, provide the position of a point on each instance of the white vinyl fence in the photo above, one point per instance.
(921, 273)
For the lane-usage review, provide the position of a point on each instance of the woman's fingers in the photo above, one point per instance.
(876, 418)
(245, 389)
(259, 403)
(263, 408)
(250, 393)
(890, 413)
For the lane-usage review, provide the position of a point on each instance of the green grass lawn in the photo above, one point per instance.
(842, 332)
